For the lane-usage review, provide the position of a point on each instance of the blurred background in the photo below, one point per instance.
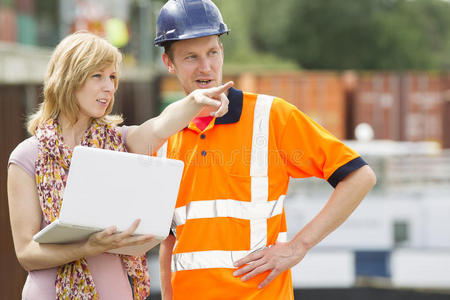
(376, 73)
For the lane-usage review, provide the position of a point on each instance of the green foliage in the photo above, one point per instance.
(240, 50)
(338, 34)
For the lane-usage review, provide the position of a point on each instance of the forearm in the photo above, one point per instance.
(176, 116)
(26, 218)
(36, 256)
(146, 138)
(343, 201)
(282, 256)
(165, 258)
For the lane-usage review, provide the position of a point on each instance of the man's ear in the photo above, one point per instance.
(168, 63)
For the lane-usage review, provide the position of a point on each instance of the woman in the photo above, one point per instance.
(78, 96)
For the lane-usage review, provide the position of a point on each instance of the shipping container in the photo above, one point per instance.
(26, 29)
(8, 24)
(25, 6)
(400, 106)
(318, 94)
(408, 106)
(423, 107)
(378, 103)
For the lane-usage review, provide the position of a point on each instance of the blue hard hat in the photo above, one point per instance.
(188, 19)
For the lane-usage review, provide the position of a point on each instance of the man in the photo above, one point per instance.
(229, 230)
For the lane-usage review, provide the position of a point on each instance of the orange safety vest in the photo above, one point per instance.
(235, 179)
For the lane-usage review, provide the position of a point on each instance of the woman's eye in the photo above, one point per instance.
(97, 75)
(112, 77)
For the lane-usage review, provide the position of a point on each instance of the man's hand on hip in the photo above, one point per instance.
(275, 259)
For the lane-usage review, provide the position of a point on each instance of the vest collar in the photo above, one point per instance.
(233, 115)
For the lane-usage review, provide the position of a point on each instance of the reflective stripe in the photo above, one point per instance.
(257, 211)
(260, 141)
(282, 237)
(206, 259)
(258, 170)
(228, 208)
(211, 259)
(162, 151)
(260, 189)
(173, 227)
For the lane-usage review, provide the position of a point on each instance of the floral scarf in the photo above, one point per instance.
(74, 280)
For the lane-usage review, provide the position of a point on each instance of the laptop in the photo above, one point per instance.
(106, 188)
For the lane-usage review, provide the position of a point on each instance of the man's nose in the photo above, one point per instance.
(205, 65)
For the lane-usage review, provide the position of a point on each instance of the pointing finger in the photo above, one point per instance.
(222, 88)
(208, 101)
(223, 109)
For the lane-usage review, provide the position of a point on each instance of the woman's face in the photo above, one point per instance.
(97, 92)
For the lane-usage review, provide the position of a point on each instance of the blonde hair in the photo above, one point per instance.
(74, 59)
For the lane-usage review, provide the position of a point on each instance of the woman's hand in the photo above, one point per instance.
(149, 136)
(26, 218)
(214, 100)
(109, 239)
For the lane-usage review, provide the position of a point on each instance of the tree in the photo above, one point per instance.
(241, 49)
(337, 34)
(354, 34)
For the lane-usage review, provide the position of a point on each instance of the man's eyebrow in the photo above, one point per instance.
(187, 52)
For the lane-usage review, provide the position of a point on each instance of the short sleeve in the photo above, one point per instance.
(123, 131)
(310, 150)
(25, 155)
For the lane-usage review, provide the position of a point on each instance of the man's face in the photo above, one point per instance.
(196, 62)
